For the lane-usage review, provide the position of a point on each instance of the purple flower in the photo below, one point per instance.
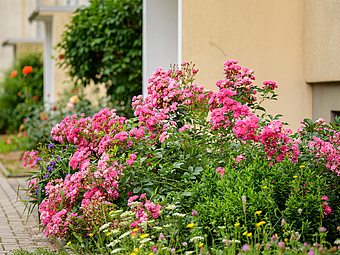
(245, 248)
(46, 175)
(274, 238)
(161, 237)
(154, 249)
(173, 250)
(194, 213)
(323, 229)
(50, 145)
(58, 158)
(184, 243)
(267, 246)
(310, 252)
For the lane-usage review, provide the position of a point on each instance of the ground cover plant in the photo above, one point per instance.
(195, 172)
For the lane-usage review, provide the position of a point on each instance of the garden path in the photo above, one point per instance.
(15, 232)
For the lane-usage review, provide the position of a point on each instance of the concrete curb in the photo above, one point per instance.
(8, 175)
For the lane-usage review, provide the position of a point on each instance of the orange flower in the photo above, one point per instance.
(19, 94)
(27, 69)
(13, 74)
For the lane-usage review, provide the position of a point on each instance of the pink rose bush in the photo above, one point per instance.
(106, 162)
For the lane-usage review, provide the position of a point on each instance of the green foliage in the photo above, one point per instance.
(13, 107)
(103, 44)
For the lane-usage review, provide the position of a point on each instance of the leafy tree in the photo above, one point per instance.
(103, 44)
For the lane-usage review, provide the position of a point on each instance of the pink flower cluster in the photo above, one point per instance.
(325, 206)
(90, 189)
(30, 158)
(271, 85)
(91, 135)
(166, 93)
(143, 210)
(277, 144)
(246, 129)
(328, 152)
(224, 107)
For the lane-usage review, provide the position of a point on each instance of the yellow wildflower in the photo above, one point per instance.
(91, 234)
(111, 212)
(109, 233)
(151, 253)
(249, 234)
(201, 244)
(190, 225)
(286, 240)
(283, 230)
(302, 166)
(133, 234)
(265, 187)
(68, 243)
(245, 233)
(258, 212)
(295, 176)
(133, 253)
(135, 229)
(144, 235)
(136, 250)
(237, 224)
(260, 223)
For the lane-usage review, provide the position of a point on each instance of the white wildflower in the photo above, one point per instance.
(168, 225)
(117, 250)
(158, 228)
(126, 214)
(235, 241)
(113, 243)
(145, 240)
(189, 252)
(221, 227)
(125, 234)
(104, 226)
(133, 203)
(144, 225)
(181, 215)
(196, 239)
(171, 207)
(337, 241)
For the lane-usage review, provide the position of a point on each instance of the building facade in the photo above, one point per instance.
(294, 43)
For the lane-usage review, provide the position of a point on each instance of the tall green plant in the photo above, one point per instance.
(103, 44)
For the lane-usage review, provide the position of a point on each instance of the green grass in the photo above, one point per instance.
(13, 146)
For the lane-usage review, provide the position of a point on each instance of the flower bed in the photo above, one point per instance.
(173, 181)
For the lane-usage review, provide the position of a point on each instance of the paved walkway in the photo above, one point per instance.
(15, 232)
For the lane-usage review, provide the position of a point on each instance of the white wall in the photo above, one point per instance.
(161, 37)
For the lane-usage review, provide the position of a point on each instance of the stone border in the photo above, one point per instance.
(8, 175)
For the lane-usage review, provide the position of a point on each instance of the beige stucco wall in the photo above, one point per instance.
(62, 80)
(265, 35)
(326, 98)
(322, 45)
(29, 47)
(14, 24)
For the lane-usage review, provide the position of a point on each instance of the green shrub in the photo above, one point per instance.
(13, 107)
(103, 44)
